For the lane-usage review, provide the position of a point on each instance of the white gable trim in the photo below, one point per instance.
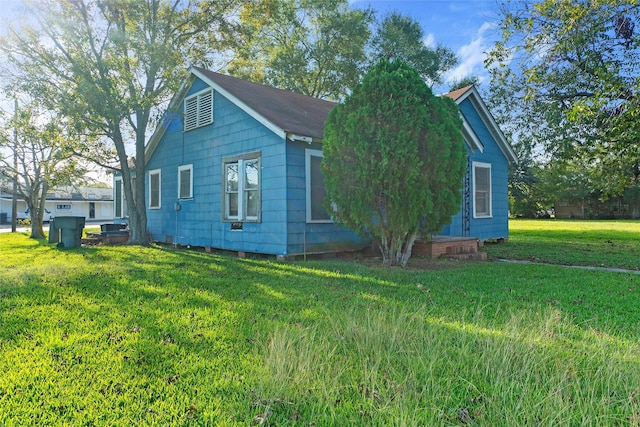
(470, 136)
(174, 105)
(489, 122)
(268, 124)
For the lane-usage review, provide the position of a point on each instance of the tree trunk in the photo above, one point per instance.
(396, 250)
(135, 199)
(36, 213)
(37, 231)
(136, 207)
(404, 253)
(139, 234)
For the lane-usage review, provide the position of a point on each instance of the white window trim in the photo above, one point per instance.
(124, 206)
(241, 160)
(156, 172)
(190, 169)
(204, 116)
(490, 191)
(115, 205)
(308, 154)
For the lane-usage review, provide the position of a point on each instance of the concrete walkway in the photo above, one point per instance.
(581, 267)
(6, 228)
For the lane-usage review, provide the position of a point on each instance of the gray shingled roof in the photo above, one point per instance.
(292, 112)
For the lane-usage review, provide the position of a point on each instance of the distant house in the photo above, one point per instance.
(236, 165)
(92, 203)
(592, 207)
(564, 209)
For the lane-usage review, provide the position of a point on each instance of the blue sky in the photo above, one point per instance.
(11, 9)
(468, 27)
(465, 26)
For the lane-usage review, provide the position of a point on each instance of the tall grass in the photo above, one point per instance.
(390, 366)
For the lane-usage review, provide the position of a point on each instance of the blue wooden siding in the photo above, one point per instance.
(283, 229)
(497, 226)
(310, 237)
(199, 221)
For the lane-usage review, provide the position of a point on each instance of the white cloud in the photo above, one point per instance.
(487, 26)
(429, 40)
(471, 60)
(472, 56)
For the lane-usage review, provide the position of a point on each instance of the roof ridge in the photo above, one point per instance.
(455, 94)
(262, 85)
(290, 112)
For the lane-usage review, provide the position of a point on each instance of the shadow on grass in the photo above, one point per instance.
(182, 332)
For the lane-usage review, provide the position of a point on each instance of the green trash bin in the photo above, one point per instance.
(54, 233)
(70, 228)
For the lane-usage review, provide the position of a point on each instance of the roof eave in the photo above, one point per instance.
(164, 122)
(470, 136)
(489, 121)
(261, 119)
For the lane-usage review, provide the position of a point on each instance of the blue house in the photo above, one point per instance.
(236, 165)
(485, 195)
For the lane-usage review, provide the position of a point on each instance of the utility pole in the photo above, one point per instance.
(14, 200)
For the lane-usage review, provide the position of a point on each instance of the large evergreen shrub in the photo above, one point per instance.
(394, 160)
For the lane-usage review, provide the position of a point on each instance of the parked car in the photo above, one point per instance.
(45, 218)
(548, 213)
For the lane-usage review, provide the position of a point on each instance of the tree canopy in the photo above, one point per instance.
(109, 67)
(322, 48)
(400, 37)
(565, 79)
(394, 159)
(313, 47)
(43, 158)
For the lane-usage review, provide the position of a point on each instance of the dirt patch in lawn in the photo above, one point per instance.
(372, 259)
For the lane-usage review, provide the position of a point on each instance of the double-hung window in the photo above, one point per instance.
(481, 190)
(118, 199)
(198, 110)
(185, 182)
(154, 189)
(316, 192)
(120, 208)
(241, 181)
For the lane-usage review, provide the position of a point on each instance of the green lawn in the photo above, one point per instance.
(594, 243)
(156, 336)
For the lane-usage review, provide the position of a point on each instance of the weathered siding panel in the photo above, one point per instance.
(303, 237)
(498, 225)
(199, 221)
(456, 226)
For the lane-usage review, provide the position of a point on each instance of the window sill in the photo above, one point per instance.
(198, 127)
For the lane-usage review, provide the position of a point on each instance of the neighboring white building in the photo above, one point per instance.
(91, 203)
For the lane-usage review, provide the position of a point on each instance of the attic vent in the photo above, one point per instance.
(198, 110)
